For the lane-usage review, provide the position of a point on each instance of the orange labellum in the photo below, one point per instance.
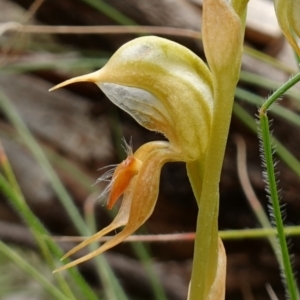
(121, 178)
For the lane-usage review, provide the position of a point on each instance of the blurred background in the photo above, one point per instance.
(80, 131)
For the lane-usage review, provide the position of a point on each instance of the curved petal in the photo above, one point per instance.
(138, 201)
(177, 85)
(121, 219)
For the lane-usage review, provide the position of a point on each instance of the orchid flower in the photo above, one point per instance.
(165, 88)
(168, 89)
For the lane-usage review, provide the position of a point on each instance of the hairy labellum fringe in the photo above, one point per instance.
(108, 175)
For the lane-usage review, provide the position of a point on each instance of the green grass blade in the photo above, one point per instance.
(146, 260)
(31, 143)
(36, 227)
(110, 11)
(286, 156)
(57, 64)
(281, 111)
(49, 250)
(67, 202)
(270, 60)
(26, 267)
(267, 83)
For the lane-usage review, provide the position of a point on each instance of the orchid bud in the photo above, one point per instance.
(223, 34)
(165, 88)
(288, 16)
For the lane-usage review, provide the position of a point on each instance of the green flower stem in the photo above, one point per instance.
(206, 242)
(272, 186)
(278, 93)
(283, 255)
(18, 260)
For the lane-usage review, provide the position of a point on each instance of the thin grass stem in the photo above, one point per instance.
(30, 270)
(31, 143)
(36, 227)
(267, 83)
(143, 255)
(278, 110)
(110, 11)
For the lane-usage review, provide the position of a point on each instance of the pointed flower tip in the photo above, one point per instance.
(92, 77)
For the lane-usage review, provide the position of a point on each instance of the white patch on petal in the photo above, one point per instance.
(143, 106)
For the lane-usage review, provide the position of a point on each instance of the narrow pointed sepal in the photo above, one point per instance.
(83, 78)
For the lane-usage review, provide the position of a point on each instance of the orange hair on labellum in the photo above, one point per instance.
(121, 178)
